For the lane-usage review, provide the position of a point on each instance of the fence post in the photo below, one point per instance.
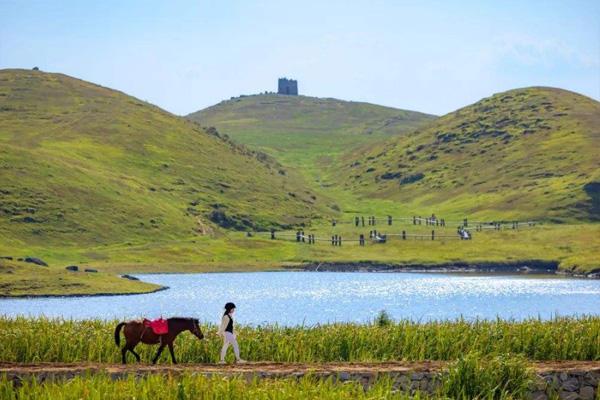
(340, 241)
(356, 221)
(414, 220)
(420, 220)
(465, 222)
(432, 235)
(389, 220)
(363, 220)
(272, 233)
(333, 240)
(333, 222)
(403, 235)
(297, 236)
(302, 236)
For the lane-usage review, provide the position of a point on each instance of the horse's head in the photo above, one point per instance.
(195, 329)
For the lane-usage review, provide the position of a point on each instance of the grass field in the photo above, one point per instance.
(51, 340)
(576, 249)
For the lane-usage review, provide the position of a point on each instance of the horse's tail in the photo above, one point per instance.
(118, 333)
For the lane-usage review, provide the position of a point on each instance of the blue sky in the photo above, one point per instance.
(428, 56)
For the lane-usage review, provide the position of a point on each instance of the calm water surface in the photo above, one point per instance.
(292, 298)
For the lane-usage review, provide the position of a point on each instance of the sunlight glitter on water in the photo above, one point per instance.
(291, 298)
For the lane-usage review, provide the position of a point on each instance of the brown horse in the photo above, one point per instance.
(136, 332)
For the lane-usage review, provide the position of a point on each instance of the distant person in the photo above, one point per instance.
(228, 333)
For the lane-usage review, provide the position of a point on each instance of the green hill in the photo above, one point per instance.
(525, 153)
(306, 133)
(83, 165)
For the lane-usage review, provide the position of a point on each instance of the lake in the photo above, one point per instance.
(293, 298)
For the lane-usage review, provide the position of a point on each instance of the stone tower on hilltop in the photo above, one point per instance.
(287, 86)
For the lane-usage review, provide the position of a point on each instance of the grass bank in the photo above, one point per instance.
(575, 248)
(54, 340)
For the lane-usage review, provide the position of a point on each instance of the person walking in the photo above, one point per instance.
(227, 331)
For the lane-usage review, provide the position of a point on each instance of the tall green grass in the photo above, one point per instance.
(57, 340)
(471, 377)
(195, 387)
(477, 377)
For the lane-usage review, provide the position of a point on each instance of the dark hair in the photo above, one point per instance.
(228, 308)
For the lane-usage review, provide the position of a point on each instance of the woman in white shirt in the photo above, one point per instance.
(227, 331)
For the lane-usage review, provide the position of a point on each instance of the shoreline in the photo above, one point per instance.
(27, 296)
(528, 267)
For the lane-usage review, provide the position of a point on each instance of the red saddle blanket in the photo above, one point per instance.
(159, 326)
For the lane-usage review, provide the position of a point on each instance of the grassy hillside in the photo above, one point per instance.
(525, 153)
(306, 133)
(85, 165)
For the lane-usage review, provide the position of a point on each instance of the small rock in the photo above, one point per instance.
(539, 395)
(73, 268)
(587, 393)
(570, 385)
(6, 258)
(568, 395)
(344, 376)
(417, 376)
(590, 379)
(91, 270)
(34, 260)
(130, 277)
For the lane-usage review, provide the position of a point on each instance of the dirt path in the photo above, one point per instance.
(265, 368)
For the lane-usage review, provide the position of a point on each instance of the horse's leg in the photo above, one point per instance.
(124, 354)
(172, 352)
(137, 356)
(160, 349)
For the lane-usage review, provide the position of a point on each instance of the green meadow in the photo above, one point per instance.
(98, 179)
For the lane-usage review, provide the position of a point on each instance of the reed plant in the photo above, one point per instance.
(58, 340)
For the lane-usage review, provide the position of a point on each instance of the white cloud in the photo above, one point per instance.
(530, 51)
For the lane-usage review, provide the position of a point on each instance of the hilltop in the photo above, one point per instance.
(307, 133)
(83, 165)
(524, 153)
